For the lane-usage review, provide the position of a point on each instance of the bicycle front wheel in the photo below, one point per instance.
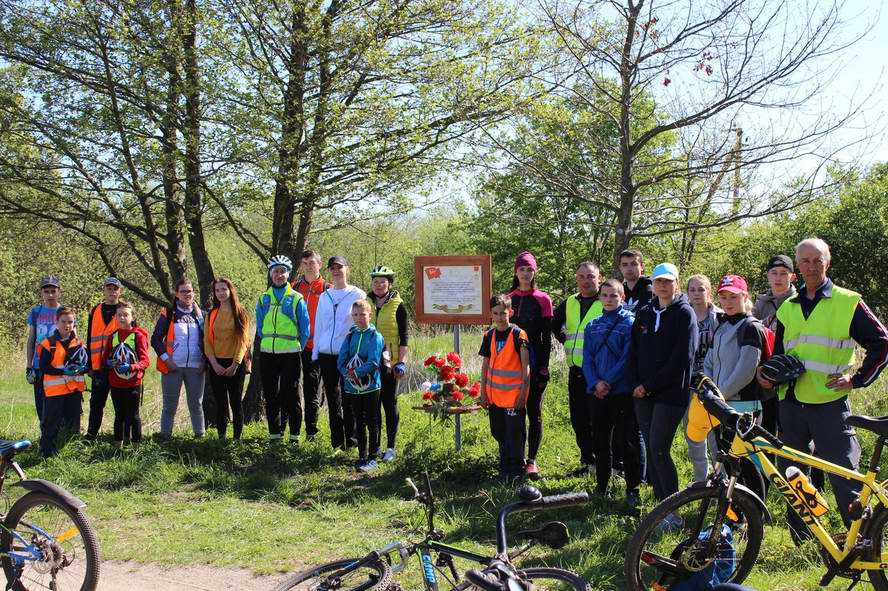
(677, 542)
(47, 545)
(371, 576)
(555, 579)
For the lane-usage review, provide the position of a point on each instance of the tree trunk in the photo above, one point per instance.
(174, 236)
(623, 231)
(193, 201)
(292, 125)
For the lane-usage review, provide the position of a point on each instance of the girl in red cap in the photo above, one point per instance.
(532, 312)
(734, 356)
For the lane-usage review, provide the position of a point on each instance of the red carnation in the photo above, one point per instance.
(475, 390)
(462, 380)
(454, 359)
(431, 359)
(457, 395)
(447, 373)
(440, 362)
(427, 395)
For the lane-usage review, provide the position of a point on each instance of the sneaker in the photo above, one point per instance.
(274, 437)
(368, 466)
(310, 438)
(294, 439)
(583, 471)
(531, 472)
(389, 455)
(633, 499)
(670, 524)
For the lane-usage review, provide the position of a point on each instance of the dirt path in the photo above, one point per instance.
(134, 576)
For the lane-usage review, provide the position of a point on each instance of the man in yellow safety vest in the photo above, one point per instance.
(568, 323)
(821, 326)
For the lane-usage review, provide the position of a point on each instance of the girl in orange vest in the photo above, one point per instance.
(226, 343)
(505, 378)
(63, 362)
(126, 353)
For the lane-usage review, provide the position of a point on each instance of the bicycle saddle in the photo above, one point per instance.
(552, 534)
(10, 447)
(877, 425)
(529, 493)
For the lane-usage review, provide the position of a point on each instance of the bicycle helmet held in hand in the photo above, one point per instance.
(781, 369)
(123, 355)
(78, 359)
(280, 260)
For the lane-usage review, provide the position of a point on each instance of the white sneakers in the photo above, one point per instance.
(389, 455)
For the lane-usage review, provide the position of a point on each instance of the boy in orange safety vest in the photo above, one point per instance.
(63, 362)
(505, 377)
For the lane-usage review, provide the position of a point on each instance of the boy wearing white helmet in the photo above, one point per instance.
(282, 327)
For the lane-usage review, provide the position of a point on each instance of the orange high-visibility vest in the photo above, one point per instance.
(211, 321)
(97, 337)
(504, 375)
(61, 385)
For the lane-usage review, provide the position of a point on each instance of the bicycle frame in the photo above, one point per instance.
(755, 451)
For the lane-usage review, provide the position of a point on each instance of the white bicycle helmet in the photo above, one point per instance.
(280, 260)
(124, 354)
(78, 359)
(359, 383)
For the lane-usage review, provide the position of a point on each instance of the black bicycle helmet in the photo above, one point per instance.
(781, 369)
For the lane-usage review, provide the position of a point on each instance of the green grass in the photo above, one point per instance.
(275, 508)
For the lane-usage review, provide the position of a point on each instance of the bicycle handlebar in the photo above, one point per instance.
(743, 423)
(540, 504)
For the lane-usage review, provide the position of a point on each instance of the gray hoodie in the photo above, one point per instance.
(766, 305)
(734, 356)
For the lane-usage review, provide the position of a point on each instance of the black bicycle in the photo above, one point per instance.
(46, 542)
(375, 570)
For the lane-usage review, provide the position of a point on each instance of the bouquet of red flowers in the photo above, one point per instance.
(450, 388)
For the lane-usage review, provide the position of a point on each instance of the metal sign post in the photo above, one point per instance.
(457, 425)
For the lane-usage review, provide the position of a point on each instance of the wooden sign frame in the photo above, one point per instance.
(483, 261)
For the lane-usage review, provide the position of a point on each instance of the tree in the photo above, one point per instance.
(103, 96)
(710, 67)
(345, 106)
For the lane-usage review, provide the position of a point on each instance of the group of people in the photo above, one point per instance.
(308, 330)
(632, 348)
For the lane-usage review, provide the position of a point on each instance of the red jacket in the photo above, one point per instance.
(311, 292)
(141, 352)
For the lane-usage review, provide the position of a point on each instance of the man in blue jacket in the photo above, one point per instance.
(606, 343)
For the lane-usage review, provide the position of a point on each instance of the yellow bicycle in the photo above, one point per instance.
(712, 531)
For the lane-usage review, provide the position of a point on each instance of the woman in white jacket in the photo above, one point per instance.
(332, 323)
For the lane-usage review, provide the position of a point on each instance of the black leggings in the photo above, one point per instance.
(388, 399)
(535, 415)
(228, 391)
(365, 408)
(126, 413)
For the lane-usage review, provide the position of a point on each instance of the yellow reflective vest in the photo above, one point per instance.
(822, 341)
(386, 322)
(574, 327)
